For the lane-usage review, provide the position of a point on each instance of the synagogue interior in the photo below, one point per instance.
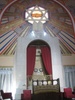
(37, 49)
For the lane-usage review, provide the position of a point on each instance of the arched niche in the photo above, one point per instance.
(39, 70)
(21, 59)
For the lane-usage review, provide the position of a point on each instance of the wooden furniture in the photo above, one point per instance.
(46, 89)
(6, 95)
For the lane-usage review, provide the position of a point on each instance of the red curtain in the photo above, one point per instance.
(46, 56)
(31, 54)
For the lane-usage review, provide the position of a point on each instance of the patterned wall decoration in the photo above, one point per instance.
(8, 40)
(13, 23)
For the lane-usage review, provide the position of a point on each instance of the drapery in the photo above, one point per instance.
(31, 55)
(46, 56)
(70, 76)
(6, 79)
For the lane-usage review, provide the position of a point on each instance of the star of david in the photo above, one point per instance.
(36, 14)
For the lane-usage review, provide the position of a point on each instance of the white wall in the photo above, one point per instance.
(68, 60)
(9, 60)
(6, 61)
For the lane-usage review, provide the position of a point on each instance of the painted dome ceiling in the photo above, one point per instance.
(61, 23)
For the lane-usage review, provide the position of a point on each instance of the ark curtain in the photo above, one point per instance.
(46, 56)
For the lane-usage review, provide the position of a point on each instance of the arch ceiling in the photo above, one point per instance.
(60, 23)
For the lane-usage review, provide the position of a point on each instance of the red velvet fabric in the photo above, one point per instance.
(6, 95)
(31, 54)
(27, 94)
(46, 55)
(68, 93)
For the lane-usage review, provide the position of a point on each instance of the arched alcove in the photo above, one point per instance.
(21, 60)
(40, 67)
